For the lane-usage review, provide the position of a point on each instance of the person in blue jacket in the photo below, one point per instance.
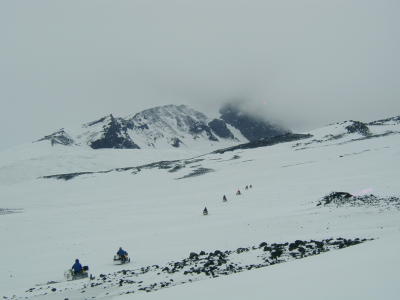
(122, 254)
(77, 267)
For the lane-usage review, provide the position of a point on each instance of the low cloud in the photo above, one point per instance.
(302, 63)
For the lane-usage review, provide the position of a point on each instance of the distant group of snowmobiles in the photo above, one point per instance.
(78, 271)
(225, 199)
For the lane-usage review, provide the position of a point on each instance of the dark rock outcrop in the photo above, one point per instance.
(176, 142)
(387, 121)
(358, 127)
(114, 136)
(220, 129)
(288, 137)
(199, 128)
(335, 197)
(339, 199)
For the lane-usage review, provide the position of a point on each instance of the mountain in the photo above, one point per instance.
(169, 126)
(341, 133)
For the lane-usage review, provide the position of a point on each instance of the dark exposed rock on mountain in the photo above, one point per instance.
(358, 127)
(288, 137)
(197, 172)
(58, 137)
(252, 128)
(220, 129)
(176, 142)
(198, 128)
(388, 121)
(114, 135)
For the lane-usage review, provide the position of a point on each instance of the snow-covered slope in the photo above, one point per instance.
(154, 210)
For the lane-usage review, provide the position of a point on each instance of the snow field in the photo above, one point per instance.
(158, 218)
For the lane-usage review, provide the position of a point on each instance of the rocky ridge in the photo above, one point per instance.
(197, 266)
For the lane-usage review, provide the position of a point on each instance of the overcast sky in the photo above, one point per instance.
(303, 63)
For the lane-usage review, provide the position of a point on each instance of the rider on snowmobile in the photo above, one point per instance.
(77, 267)
(122, 254)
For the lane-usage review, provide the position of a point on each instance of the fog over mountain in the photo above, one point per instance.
(301, 64)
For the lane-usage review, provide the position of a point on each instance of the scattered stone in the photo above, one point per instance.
(346, 199)
(193, 255)
(213, 264)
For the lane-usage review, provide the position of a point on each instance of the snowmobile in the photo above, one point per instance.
(71, 275)
(120, 260)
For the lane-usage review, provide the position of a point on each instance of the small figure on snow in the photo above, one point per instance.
(77, 267)
(251, 186)
(76, 271)
(238, 192)
(122, 254)
(224, 199)
(247, 187)
(205, 211)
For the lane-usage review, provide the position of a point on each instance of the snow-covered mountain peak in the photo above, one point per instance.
(169, 111)
(169, 126)
(175, 119)
(158, 127)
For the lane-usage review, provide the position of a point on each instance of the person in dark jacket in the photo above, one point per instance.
(122, 254)
(77, 267)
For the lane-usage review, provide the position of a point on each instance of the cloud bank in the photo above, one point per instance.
(302, 63)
